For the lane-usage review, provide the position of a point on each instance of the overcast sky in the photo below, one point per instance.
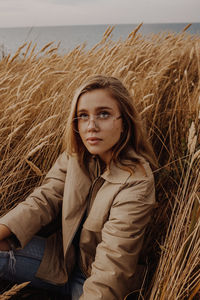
(14, 13)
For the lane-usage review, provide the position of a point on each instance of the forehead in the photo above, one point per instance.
(95, 99)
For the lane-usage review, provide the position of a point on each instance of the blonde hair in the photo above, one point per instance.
(133, 135)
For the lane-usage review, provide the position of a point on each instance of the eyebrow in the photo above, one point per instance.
(97, 108)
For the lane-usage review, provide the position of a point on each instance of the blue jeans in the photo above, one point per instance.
(22, 265)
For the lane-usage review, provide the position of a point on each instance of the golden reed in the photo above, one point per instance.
(162, 72)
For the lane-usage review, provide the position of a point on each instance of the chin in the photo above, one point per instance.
(93, 152)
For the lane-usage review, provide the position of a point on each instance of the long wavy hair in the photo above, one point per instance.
(133, 136)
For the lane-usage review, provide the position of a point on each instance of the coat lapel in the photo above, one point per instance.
(76, 189)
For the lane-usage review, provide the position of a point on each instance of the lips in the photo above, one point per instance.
(93, 140)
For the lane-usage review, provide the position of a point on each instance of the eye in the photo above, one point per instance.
(83, 116)
(103, 115)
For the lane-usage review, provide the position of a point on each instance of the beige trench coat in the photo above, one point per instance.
(112, 234)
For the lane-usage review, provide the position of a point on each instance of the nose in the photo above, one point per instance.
(92, 124)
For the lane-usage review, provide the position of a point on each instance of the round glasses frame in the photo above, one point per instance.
(98, 121)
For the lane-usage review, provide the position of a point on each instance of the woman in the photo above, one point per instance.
(104, 186)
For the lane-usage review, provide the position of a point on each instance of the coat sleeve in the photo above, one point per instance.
(41, 207)
(122, 237)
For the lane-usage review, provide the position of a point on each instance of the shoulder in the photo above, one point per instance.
(63, 160)
(60, 166)
(139, 186)
(135, 199)
(142, 179)
(141, 169)
(121, 173)
(141, 172)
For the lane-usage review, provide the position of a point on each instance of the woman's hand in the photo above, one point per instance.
(4, 233)
(4, 246)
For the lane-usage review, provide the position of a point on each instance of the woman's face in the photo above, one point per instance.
(99, 122)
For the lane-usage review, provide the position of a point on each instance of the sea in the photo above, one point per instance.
(69, 37)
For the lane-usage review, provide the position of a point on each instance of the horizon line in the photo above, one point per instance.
(101, 24)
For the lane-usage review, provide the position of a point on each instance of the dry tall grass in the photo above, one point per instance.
(162, 72)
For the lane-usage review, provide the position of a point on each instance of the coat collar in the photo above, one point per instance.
(115, 174)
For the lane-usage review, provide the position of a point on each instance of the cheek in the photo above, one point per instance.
(118, 135)
(118, 128)
(115, 133)
(81, 135)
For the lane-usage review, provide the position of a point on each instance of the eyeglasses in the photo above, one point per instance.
(104, 121)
